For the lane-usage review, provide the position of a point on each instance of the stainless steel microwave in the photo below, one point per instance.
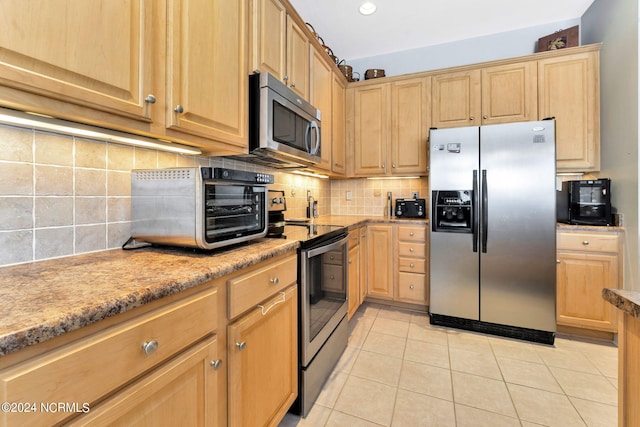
(199, 207)
(284, 129)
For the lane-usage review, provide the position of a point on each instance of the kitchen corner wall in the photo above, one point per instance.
(61, 195)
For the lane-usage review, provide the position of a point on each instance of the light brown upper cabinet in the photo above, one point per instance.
(269, 37)
(207, 69)
(569, 90)
(390, 127)
(297, 77)
(321, 98)
(338, 125)
(77, 65)
(488, 95)
(68, 51)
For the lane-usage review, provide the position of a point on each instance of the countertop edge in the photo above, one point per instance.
(626, 301)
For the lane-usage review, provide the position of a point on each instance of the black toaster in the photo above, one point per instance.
(410, 208)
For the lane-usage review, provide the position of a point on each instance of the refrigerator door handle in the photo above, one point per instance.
(474, 211)
(485, 209)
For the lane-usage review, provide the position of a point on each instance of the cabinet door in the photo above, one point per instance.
(409, 125)
(354, 280)
(380, 261)
(569, 90)
(338, 119)
(181, 392)
(364, 262)
(297, 76)
(268, 37)
(371, 114)
(69, 51)
(263, 362)
(510, 93)
(321, 82)
(580, 280)
(456, 99)
(207, 69)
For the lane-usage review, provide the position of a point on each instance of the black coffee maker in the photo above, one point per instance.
(585, 202)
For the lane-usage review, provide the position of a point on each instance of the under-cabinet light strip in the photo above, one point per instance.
(51, 124)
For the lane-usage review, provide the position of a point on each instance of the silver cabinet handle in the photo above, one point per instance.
(485, 117)
(215, 364)
(150, 99)
(241, 345)
(393, 165)
(331, 257)
(472, 118)
(586, 242)
(411, 234)
(179, 109)
(274, 281)
(332, 277)
(412, 265)
(264, 312)
(410, 249)
(411, 286)
(350, 262)
(150, 347)
(292, 85)
(285, 78)
(557, 261)
(383, 167)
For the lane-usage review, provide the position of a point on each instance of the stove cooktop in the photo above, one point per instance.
(311, 234)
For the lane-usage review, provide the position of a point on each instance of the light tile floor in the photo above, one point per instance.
(400, 371)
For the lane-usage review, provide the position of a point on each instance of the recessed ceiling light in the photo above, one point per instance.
(367, 8)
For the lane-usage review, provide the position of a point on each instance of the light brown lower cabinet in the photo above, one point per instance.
(159, 362)
(587, 263)
(629, 371)
(355, 282)
(397, 268)
(182, 392)
(263, 369)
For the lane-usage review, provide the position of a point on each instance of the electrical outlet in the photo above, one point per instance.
(415, 195)
(349, 195)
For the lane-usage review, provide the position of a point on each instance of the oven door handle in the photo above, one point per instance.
(326, 248)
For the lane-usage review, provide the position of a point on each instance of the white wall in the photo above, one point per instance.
(615, 24)
(488, 48)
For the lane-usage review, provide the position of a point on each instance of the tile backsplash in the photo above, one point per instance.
(62, 195)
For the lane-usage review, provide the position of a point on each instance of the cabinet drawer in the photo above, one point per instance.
(416, 233)
(250, 289)
(412, 265)
(412, 288)
(410, 249)
(91, 367)
(592, 242)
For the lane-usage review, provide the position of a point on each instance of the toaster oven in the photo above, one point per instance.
(200, 207)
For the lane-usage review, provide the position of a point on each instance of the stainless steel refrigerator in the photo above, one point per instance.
(493, 229)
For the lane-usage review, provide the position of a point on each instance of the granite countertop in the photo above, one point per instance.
(44, 299)
(590, 228)
(627, 301)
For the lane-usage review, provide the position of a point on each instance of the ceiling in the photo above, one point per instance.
(406, 24)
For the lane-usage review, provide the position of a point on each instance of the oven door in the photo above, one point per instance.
(233, 212)
(323, 293)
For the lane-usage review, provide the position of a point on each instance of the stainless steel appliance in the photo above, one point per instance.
(198, 207)
(323, 330)
(586, 202)
(493, 229)
(411, 208)
(284, 129)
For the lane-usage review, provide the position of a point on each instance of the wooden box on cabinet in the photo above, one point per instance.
(587, 263)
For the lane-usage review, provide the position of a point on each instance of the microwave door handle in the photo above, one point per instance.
(314, 127)
(307, 137)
